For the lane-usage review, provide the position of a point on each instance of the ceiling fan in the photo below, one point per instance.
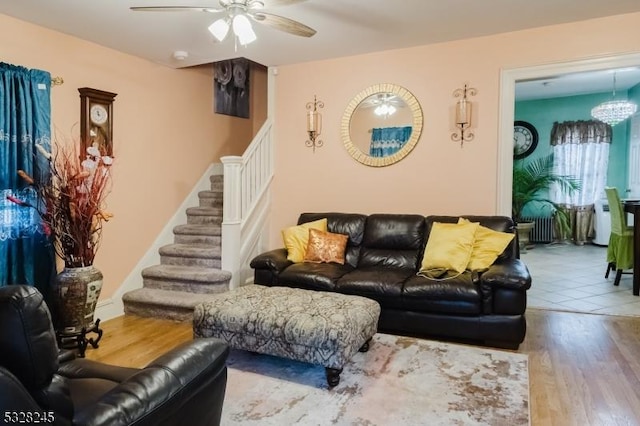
(237, 15)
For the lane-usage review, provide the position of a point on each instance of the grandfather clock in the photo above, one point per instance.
(96, 120)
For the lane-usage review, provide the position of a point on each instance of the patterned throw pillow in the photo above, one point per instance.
(326, 247)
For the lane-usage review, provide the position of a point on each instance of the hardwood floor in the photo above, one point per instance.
(131, 341)
(584, 368)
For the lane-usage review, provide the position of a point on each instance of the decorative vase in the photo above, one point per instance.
(524, 229)
(75, 295)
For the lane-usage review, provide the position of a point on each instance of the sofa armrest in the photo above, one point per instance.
(184, 386)
(274, 260)
(504, 286)
(507, 273)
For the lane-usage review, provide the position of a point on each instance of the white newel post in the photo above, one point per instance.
(232, 217)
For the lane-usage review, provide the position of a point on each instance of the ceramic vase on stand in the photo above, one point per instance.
(74, 295)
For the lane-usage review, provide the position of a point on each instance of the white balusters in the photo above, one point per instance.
(246, 181)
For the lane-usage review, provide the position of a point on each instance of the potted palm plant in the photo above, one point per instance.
(531, 183)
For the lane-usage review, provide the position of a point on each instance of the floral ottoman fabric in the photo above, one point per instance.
(311, 326)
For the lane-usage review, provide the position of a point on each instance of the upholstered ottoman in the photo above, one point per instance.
(311, 326)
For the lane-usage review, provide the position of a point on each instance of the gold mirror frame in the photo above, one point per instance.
(416, 112)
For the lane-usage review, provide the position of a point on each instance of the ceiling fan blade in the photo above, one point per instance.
(277, 3)
(283, 24)
(175, 9)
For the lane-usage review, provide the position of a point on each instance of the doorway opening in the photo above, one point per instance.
(542, 277)
(508, 80)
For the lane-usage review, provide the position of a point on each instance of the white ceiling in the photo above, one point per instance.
(578, 84)
(344, 28)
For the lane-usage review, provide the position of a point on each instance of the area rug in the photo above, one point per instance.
(399, 381)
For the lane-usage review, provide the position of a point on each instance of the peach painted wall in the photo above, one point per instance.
(438, 177)
(258, 112)
(165, 132)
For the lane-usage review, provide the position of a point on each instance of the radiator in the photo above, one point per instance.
(543, 229)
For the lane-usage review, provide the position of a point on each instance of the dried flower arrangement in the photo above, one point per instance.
(71, 201)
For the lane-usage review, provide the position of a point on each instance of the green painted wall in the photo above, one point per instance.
(544, 112)
(634, 95)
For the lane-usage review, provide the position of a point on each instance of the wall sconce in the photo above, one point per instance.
(314, 124)
(463, 114)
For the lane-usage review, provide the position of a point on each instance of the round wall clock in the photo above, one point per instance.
(525, 139)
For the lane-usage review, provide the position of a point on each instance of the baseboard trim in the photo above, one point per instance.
(107, 309)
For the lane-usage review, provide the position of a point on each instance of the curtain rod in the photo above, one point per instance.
(56, 81)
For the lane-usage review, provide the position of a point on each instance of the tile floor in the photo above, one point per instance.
(567, 277)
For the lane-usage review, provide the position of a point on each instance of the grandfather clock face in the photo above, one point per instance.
(96, 120)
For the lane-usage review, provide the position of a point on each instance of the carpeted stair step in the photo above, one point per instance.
(204, 215)
(198, 234)
(210, 198)
(203, 255)
(189, 271)
(217, 182)
(186, 278)
(157, 303)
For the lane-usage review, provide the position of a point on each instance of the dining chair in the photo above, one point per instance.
(620, 250)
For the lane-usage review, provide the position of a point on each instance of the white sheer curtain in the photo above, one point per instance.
(581, 150)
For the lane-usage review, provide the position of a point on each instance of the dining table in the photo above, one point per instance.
(633, 207)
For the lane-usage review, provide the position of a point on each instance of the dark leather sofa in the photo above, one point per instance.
(383, 255)
(39, 384)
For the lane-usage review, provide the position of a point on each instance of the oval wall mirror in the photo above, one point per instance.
(381, 125)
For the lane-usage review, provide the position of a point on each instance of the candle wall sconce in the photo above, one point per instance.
(314, 124)
(463, 114)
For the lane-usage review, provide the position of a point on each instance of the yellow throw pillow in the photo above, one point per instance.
(489, 244)
(449, 247)
(296, 238)
(326, 247)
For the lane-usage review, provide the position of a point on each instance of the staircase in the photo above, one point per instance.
(189, 269)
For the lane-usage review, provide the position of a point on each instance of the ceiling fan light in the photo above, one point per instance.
(219, 29)
(385, 109)
(247, 38)
(243, 30)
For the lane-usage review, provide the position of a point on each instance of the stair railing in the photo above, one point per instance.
(245, 205)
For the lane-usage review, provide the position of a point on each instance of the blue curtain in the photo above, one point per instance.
(26, 254)
(388, 140)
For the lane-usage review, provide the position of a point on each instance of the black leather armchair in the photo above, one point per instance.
(185, 386)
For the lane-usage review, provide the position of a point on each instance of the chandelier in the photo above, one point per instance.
(613, 112)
